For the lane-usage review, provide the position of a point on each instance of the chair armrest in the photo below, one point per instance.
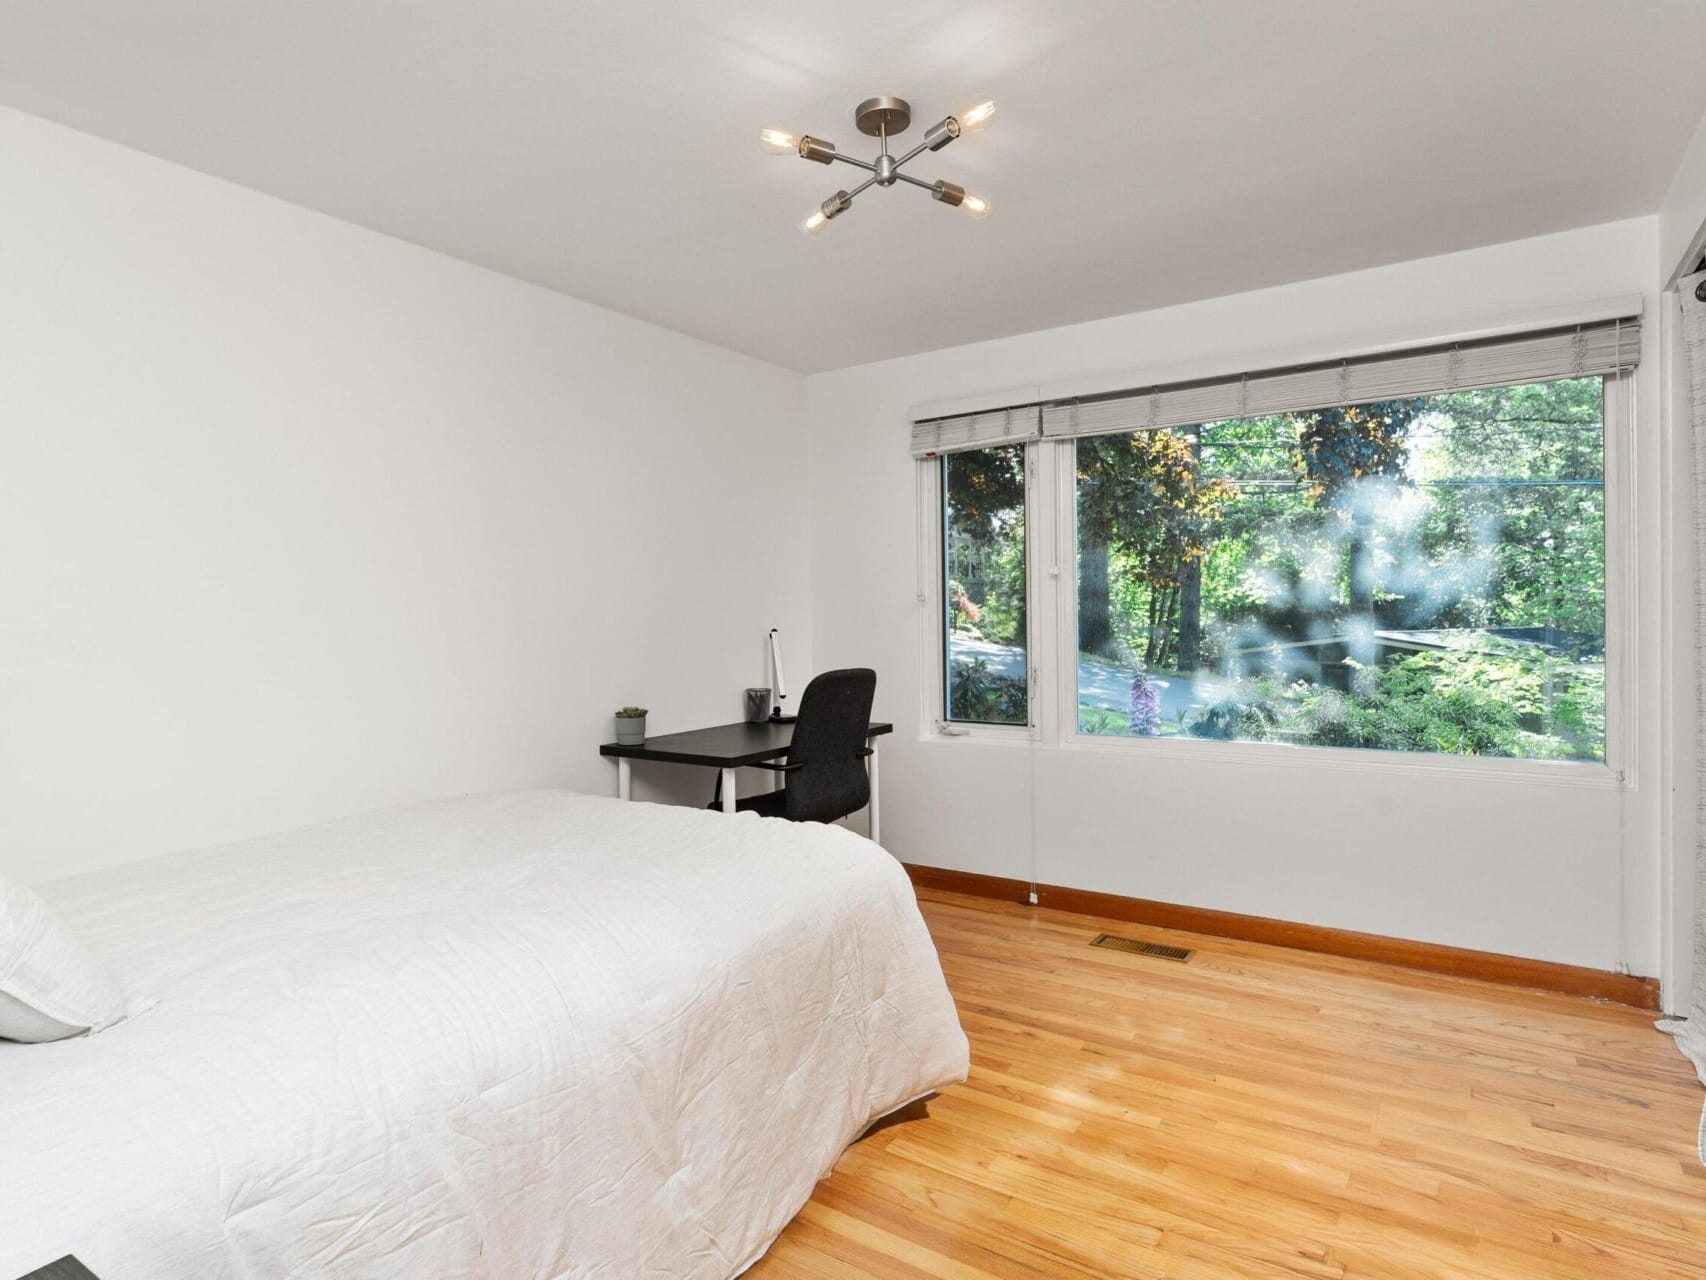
(789, 768)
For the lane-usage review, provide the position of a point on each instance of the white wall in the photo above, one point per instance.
(1682, 241)
(1555, 871)
(296, 519)
(1682, 215)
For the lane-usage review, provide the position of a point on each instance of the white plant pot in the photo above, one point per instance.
(630, 730)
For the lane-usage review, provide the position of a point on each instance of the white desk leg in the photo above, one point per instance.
(728, 790)
(874, 814)
(624, 779)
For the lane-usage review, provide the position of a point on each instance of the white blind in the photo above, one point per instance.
(976, 430)
(1601, 348)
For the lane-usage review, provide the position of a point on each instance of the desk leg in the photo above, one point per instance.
(874, 813)
(624, 779)
(728, 790)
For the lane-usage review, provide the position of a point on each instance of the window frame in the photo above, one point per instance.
(933, 599)
(1052, 633)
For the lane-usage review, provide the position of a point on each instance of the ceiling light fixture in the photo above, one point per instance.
(884, 118)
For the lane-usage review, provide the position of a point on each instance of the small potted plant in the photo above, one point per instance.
(631, 726)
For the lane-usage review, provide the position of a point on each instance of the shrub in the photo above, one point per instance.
(1099, 720)
(1233, 720)
(976, 693)
(966, 614)
(1409, 709)
(1515, 701)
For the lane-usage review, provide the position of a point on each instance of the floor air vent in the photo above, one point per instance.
(1157, 949)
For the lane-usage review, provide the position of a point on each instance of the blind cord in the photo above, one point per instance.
(1036, 684)
(1625, 426)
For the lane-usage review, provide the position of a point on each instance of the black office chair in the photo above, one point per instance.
(824, 778)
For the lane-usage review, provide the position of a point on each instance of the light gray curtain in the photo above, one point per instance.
(1691, 1033)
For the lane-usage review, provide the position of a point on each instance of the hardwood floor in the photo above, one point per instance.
(1259, 1112)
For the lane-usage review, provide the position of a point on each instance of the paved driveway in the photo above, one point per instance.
(1101, 684)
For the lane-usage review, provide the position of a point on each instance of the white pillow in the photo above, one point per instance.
(51, 985)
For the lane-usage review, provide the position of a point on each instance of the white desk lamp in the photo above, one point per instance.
(776, 716)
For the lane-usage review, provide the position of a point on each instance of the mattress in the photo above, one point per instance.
(526, 1034)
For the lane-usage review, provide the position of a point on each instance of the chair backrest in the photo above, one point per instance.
(834, 715)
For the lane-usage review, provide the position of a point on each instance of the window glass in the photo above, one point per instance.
(1411, 575)
(985, 665)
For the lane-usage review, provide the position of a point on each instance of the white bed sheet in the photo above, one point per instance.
(527, 1034)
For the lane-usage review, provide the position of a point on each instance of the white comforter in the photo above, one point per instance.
(530, 1034)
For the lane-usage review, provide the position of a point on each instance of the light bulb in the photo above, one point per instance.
(778, 143)
(977, 117)
(977, 206)
(830, 208)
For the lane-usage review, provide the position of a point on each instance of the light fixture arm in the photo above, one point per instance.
(917, 151)
(877, 166)
(868, 165)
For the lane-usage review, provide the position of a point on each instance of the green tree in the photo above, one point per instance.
(1520, 476)
(985, 490)
(1339, 450)
(1144, 495)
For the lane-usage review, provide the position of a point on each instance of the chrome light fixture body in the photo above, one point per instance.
(883, 118)
(817, 149)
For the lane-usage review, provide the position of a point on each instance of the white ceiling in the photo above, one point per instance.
(1145, 153)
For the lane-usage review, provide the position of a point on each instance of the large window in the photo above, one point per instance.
(1410, 552)
(1424, 574)
(985, 669)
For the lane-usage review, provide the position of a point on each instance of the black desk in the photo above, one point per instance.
(728, 747)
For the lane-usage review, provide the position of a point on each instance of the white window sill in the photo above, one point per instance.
(1583, 775)
(963, 731)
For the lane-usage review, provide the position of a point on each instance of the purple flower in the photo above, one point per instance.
(1145, 707)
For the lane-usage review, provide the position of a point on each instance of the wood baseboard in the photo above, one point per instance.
(1487, 966)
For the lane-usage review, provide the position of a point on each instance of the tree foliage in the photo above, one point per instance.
(1337, 447)
(1144, 496)
(986, 490)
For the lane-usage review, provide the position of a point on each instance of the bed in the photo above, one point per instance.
(527, 1034)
